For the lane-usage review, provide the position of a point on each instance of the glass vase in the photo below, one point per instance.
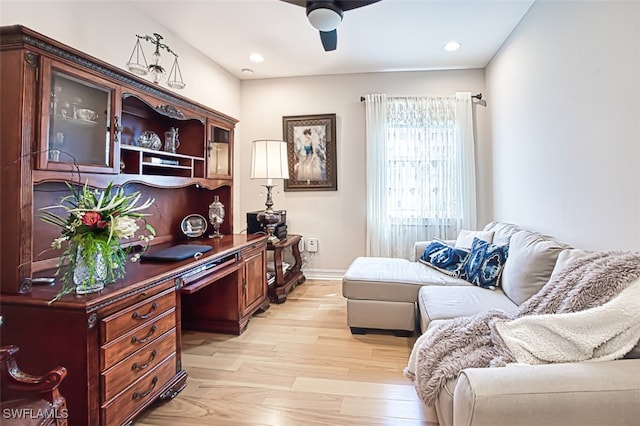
(216, 216)
(83, 272)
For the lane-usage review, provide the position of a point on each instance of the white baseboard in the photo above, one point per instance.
(323, 274)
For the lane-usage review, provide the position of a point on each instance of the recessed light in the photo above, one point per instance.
(246, 71)
(256, 57)
(452, 46)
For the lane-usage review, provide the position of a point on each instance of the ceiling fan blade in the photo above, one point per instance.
(302, 3)
(341, 4)
(329, 40)
(354, 4)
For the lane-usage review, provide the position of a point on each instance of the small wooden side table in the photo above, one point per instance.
(288, 279)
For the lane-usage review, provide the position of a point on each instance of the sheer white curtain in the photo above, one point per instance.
(420, 171)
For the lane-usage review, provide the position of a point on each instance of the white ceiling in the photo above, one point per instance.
(391, 35)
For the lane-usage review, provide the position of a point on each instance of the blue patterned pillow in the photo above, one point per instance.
(485, 263)
(446, 259)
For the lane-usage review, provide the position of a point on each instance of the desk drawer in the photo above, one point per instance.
(130, 318)
(139, 296)
(139, 394)
(114, 351)
(137, 364)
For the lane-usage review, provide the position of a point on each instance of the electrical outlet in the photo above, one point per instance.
(312, 245)
(301, 245)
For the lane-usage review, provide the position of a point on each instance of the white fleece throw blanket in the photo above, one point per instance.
(586, 312)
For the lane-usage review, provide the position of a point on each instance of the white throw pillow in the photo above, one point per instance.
(567, 256)
(465, 238)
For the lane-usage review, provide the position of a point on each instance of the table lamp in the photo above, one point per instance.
(269, 161)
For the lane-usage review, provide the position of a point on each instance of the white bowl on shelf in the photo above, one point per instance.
(86, 114)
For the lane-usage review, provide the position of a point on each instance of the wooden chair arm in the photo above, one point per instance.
(19, 380)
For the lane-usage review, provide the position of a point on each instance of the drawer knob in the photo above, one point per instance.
(140, 395)
(136, 366)
(136, 315)
(136, 339)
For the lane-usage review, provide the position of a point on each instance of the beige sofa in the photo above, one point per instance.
(401, 295)
(373, 285)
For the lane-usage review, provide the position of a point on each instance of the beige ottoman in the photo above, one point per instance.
(382, 293)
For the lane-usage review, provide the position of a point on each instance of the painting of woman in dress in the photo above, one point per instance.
(310, 149)
(311, 152)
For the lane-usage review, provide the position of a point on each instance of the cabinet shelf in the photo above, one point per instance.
(168, 166)
(74, 121)
(154, 152)
(144, 161)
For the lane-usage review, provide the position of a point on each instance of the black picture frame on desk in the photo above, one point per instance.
(311, 151)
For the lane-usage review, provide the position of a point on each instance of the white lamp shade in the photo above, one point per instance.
(269, 160)
(324, 19)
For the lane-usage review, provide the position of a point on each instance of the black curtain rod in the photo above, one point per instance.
(478, 97)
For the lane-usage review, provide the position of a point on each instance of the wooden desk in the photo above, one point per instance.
(122, 345)
(287, 279)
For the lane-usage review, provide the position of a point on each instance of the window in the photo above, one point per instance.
(420, 171)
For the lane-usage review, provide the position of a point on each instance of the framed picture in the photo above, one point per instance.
(311, 150)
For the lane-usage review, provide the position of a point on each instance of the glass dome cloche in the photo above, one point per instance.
(216, 216)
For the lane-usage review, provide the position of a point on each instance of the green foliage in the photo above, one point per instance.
(95, 223)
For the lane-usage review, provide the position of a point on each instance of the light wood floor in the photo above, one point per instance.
(296, 364)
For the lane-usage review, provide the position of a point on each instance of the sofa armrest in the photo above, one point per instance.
(419, 246)
(586, 393)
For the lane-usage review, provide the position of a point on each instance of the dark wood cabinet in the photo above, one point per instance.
(98, 341)
(78, 114)
(70, 118)
(254, 294)
(219, 150)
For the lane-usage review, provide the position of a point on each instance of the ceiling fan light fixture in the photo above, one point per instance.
(324, 17)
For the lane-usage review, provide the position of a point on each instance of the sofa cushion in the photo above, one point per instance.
(443, 303)
(449, 260)
(635, 352)
(502, 232)
(485, 263)
(532, 258)
(396, 280)
(465, 238)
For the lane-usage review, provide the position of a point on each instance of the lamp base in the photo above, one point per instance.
(269, 219)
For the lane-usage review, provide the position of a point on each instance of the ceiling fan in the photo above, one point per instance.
(326, 15)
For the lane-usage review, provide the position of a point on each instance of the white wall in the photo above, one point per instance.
(564, 96)
(337, 218)
(107, 29)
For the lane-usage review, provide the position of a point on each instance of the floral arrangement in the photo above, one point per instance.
(91, 233)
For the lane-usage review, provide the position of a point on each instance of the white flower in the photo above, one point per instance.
(57, 243)
(124, 227)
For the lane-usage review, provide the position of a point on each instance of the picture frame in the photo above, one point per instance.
(311, 152)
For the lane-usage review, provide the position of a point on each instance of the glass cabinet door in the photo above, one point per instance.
(219, 152)
(77, 121)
